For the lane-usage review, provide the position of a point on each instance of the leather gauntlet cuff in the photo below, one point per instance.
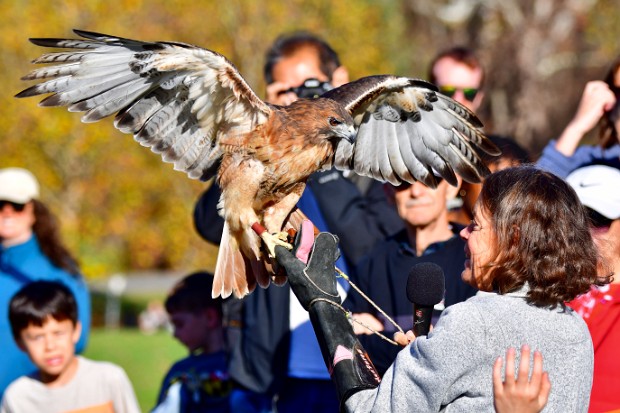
(348, 363)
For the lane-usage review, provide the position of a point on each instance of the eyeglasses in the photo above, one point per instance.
(597, 220)
(16, 206)
(469, 92)
(474, 226)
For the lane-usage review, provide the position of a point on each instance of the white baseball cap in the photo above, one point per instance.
(18, 185)
(598, 188)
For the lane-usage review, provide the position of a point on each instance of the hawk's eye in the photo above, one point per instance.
(334, 122)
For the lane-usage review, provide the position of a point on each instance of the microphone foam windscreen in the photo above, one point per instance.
(426, 284)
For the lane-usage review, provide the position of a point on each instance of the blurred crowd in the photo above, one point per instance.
(261, 354)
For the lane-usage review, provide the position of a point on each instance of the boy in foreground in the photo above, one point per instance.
(43, 317)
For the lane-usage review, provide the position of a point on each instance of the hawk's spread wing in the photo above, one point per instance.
(406, 130)
(178, 99)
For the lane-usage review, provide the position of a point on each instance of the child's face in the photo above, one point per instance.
(51, 347)
(190, 328)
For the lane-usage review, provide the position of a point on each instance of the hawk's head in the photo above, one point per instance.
(338, 123)
(324, 119)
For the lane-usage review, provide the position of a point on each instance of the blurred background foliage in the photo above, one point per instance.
(123, 209)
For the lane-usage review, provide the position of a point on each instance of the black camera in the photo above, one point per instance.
(311, 88)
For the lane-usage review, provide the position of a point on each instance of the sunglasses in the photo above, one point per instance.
(469, 92)
(16, 206)
(597, 220)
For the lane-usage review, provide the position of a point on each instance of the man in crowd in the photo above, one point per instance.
(428, 237)
(458, 73)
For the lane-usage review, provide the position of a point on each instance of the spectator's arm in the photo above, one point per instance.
(207, 221)
(597, 98)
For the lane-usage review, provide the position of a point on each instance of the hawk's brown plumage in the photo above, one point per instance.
(193, 107)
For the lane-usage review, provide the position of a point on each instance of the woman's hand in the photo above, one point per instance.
(520, 395)
(404, 339)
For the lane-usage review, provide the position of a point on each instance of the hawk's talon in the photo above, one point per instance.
(271, 240)
(283, 236)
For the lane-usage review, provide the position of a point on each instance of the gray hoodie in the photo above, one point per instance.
(451, 369)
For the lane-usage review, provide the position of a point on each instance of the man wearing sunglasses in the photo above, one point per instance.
(457, 73)
(598, 188)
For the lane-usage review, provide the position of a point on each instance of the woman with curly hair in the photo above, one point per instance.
(30, 250)
(529, 250)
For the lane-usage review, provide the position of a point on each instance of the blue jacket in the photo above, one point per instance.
(19, 265)
(585, 155)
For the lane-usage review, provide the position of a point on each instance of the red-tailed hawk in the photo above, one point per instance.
(192, 106)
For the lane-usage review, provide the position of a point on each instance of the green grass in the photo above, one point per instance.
(145, 358)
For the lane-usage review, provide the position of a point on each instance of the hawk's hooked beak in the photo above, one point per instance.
(350, 134)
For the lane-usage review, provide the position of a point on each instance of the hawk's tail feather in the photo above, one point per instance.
(230, 270)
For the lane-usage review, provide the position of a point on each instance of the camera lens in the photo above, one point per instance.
(312, 88)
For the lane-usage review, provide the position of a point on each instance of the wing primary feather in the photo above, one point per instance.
(398, 153)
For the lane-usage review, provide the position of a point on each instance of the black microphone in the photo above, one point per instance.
(425, 288)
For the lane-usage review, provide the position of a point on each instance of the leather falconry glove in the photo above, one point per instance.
(314, 285)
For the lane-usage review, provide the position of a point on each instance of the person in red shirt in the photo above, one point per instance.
(597, 188)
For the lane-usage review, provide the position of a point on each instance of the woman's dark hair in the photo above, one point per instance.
(47, 231)
(542, 236)
(37, 301)
(608, 135)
